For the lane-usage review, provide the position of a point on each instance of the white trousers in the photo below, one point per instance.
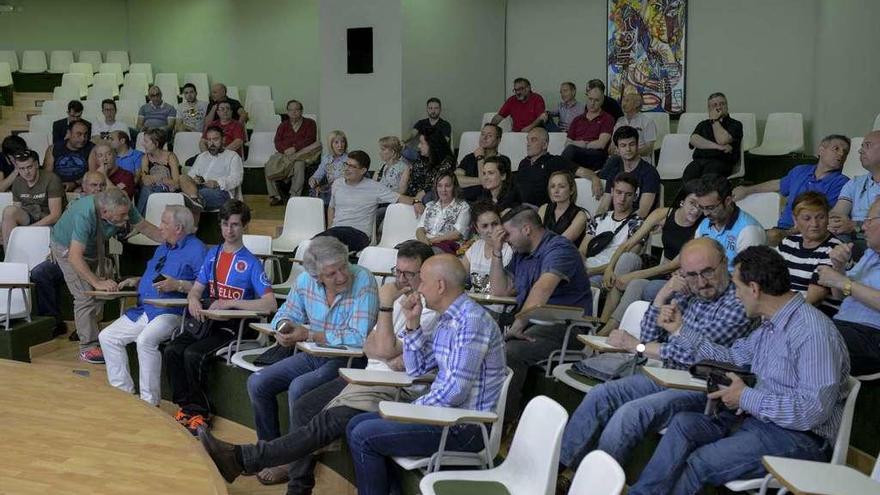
(148, 335)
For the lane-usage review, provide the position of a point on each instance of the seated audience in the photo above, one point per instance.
(234, 135)
(716, 142)
(105, 162)
(468, 170)
(245, 286)
(642, 123)
(534, 170)
(351, 214)
(477, 260)
(338, 303)
(216, 175)
(79, 247)
(859, 317)
(725, 222)
(825, 177)
(677, 225)
(394, 172)
(858, 194)
(525, 108)
(70, 158)
(103, 128)
(793, 410)
(433, 123)
(628, 160)
(435, 158)
(37, 196)
(156, 114)
(321, 415)
(568, 109)
(127, 158)
(170, 273)
(159, 169)
(546, 269)
(562, 215)
(589, 134)
(446, 220)
(191, 112)
(467, 351)
(497, 184)
(697, 302)
(12, 144)
(61, 126)
(330, 168)
(809, 248)
(621, 222)
(297, 144)
(609, 104)
(218, 95)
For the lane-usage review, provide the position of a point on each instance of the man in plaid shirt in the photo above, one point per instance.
(698, 300)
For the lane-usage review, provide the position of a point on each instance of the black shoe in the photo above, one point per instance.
(223, 455)
(73, 337)
(276, 201)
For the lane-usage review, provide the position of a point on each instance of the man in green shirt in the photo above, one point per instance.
(37, 195)
(75, 248)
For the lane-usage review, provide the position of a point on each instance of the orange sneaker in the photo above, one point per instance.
(181, 417)
(196, 423)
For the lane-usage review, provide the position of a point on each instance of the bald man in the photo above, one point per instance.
(699, 299)
(858, 194)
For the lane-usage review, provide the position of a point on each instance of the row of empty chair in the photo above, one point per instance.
(59, 61)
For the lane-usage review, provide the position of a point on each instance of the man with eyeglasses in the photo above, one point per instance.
(857, 196)
(525, 108)
(37, 196)
(354, 201)
(321, 415)
(170, 273)
(699, 300)
(156, 114)
(725, 222)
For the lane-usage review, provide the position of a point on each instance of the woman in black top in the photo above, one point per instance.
(497, 183)
(677, 225)
(562, 215)
(435, 157)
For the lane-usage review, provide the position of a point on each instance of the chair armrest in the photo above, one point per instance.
(375, 377)
(16, 285)
(432, 415)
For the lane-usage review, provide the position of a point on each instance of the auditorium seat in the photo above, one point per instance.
(14, 302)
(113, 68)
(167, 81)
(783, 134)
(853, 164)
(556, 144)
(102, 91)
(156, 204)
(661, 121)
(506, 124)
(303, 219)
(585, 197)
(129, 106)
(11, 58)
(200, 81)
(261, 146)
(141, 68)
(262, 110)
(118, 57)
(675, 154)
(876, 123)
(233, 93)
(467, 143)
(764, 207)
(513, 146)
(186, 145)
(5, 74)
(85, 69)
(598, 474)
(92, 57)
(68, 92)
(749, 141)
(33, 61)
(37, 141)
(54, 109)
(380, 261)
(399, 225)
(41, 124)
(688, 121)
(137, 82)
(28, 245)
(254, 94)
(59, 61)
(76, 80)
(133, 92)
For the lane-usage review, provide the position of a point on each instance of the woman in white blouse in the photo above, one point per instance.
(477, 260)
(446, 220)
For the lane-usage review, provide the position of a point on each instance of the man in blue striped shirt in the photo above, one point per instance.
(795, 408)
(467, 350)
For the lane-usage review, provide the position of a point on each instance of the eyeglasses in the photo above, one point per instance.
(869, 219)
(706, 274)
(403, 274)
(710, 209)
(25, 155)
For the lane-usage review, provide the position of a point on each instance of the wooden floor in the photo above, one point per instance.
(62, 354)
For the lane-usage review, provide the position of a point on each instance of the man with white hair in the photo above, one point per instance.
(170, 273)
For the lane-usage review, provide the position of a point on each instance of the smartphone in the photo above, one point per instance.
(159, 278)
(328, 346)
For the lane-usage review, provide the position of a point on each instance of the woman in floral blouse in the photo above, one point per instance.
(446, 220)
(394, 173)
(435, 158)
(331, 167)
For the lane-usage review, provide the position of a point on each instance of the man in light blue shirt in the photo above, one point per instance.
(858, 194)
(725, 222)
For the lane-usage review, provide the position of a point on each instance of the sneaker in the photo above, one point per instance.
(181, 417)
(196, 423)
(93, 355)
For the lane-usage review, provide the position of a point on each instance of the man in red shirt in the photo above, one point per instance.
(524, 107)
(105, 158)
(296, 142)
(589, 134)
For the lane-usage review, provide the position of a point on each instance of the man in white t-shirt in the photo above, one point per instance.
(622, 221)
(102, 128)
(216, 175)
(321, 415)
(191, 112)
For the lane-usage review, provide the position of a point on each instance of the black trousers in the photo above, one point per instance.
(350, 236)
(186, 360)
(703, 166)
(48, 280)
(863, 344)
(589, 158)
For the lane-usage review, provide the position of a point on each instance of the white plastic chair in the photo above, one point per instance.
(103, 91)
(675, 154)
(688, 121)
(5, 74)
(598, 474)
(245, 359)
(817, 477)
(261, 246)
(33, 62)
(41, 124)
(661, 121)
(254, 94)
(750, 130)
(145, 69)
(54, 109)
(585, 197)
(5, 200)
(92, 107)
(156, 204)
(129, 106)
(118, 57)
(28, 245)
(260, 109)
(763, 206)
(232, 92)
(379, 260)
(876, 123)
(853, 164)
(400, 225)
(76, 80)
(132, 93)
(111, 68)
(59, 61)
(556, 144)
(506, 124)
(186, 145)
(170, 90)
(260, 148)
(303, 219)
(783, 134)
(92, 57)
(37, 141)
(838, 455)
(529, 468)
(85, 69)
(15, 303)
(136, 81)
(167, 79)
(513, 146)
(466, 143)
(200, 81)
(66, 93)
(264, 123)
(11, 58)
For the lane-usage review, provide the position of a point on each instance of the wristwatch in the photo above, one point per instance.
(847, 288)
(640, 350)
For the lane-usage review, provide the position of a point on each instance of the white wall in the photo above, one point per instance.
(63, 25)
(366, 106)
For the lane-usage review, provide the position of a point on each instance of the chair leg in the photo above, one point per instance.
(765, 484)
(434, 461)
(229, 351)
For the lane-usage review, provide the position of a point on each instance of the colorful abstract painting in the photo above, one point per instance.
(646, 52)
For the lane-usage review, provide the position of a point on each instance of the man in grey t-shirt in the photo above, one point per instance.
(353, 203)
(37, 195)
(191, 112)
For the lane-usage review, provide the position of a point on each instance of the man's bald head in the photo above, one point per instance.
(869, 153)
(93, 182)
(704, 267)
(703, 246)
(448, 268)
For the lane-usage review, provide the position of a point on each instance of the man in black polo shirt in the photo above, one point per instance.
(218, 94)
(535, 169)
(716, 142)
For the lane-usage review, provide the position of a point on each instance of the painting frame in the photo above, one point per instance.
(646, 50)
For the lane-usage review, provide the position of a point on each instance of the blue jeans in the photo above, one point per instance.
(213, 199)
(372, 440)
(702, 450)
(297, 374)
(615, 416)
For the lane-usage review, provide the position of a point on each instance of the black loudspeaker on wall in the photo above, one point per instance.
(360, 50)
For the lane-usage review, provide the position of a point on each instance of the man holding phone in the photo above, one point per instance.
(169, 274)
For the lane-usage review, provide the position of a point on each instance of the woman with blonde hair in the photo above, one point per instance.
(331, 167)
(394, 173)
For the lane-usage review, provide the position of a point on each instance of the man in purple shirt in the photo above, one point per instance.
(566, 111)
